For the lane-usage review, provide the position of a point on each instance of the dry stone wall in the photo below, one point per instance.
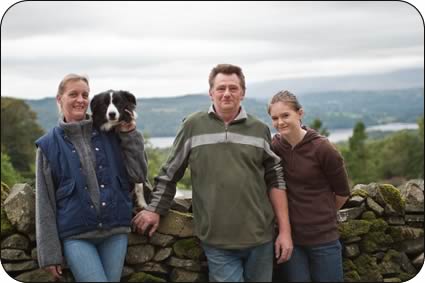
(382, 232)
(381, 229)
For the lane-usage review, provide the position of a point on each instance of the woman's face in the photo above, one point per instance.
(285, 119)
(74, 101)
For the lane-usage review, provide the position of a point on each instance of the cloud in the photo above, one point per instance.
(167, 48)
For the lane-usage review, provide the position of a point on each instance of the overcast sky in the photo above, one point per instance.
(167, 49)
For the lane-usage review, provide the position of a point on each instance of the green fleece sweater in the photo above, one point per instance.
(232, 170)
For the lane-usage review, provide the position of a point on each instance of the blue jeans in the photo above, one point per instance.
(251, 264)
(96, 260)
(317, 263)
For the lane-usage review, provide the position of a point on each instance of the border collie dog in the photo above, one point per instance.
(109, 109)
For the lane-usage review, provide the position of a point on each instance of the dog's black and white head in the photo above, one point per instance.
(111, 107)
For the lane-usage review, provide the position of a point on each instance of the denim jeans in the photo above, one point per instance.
(317, 263)
(96, 260)
(251, 264)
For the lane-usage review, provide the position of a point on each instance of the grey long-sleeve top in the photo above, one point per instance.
(49, 247)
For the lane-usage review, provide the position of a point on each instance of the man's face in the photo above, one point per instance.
(227, 93)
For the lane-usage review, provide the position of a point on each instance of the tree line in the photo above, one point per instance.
(397, 155)
(161, 117)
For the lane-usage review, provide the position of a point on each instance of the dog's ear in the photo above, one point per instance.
(96, 109)
(93, 102)
(130, 97)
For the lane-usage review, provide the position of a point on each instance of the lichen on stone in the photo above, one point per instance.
(188, 248)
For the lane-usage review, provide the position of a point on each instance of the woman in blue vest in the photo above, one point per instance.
(83, 183)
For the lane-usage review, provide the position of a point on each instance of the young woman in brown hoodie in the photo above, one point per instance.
(317, 186)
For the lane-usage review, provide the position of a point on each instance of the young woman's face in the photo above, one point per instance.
(74, 101)
(285, 118)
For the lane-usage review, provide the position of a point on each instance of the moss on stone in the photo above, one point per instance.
(368, 215)
(6, 227)
(390, 262)
(392, 197)
(401, 233)
(364, 263)
(360, 192)
(4, 191)
(351, 276)
(375, 241)
(348, 265)
(144, 277)
(371, 276)
(392, 255)
(188, 248)
(367, 268)
(378, 225)
(353, 228)
(396, 233)
(405, 276)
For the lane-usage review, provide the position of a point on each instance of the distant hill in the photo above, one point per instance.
(337, 109)
(402, 79)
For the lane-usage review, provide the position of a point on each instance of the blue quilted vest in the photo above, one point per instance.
(75, 212)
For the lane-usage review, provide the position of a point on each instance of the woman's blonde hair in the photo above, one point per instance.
(69, 78)
(286, 97)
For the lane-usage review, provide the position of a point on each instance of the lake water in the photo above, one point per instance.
(336, 135)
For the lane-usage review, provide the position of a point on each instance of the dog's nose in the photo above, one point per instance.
(112, 115)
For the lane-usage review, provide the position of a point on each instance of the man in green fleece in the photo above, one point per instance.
(237, 185)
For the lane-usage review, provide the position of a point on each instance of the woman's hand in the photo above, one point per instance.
(127, 127)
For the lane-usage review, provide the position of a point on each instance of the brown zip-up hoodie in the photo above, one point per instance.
(314, 172)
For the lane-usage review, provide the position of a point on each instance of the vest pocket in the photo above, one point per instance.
(63, 193)
(69, 211)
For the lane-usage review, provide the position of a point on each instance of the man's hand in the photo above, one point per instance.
(55, 270)
(146, 221)
(283, 247)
